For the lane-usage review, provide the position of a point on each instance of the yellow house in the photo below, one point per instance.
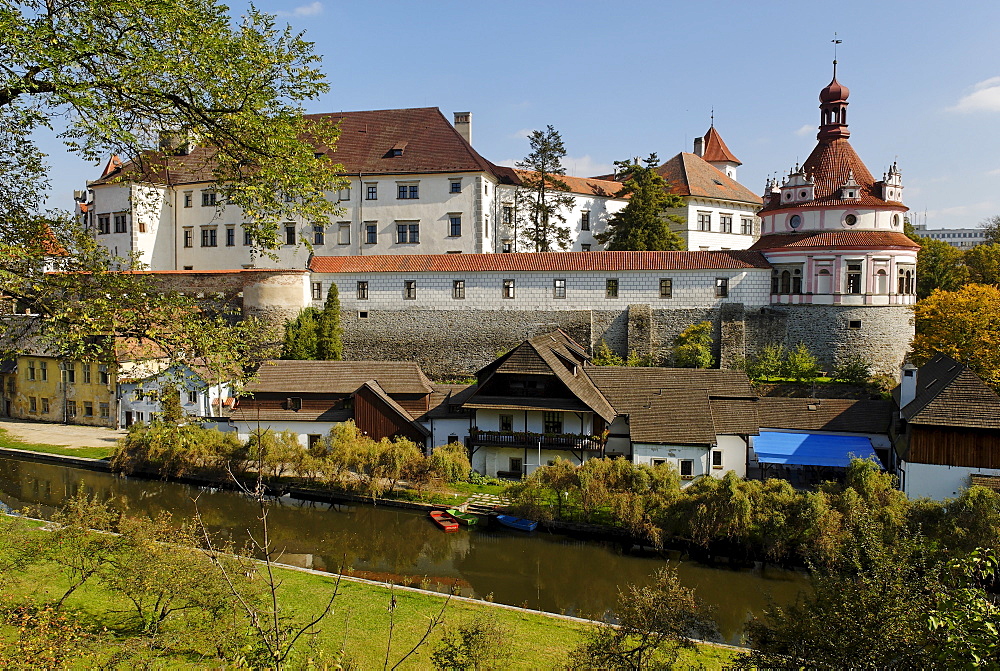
(50, 389)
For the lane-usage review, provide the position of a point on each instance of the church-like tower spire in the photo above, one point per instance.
(833, 110)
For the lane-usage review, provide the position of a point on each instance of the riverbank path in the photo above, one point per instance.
(68, 435)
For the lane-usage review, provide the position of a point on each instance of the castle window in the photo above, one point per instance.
(881, 282)
(854, 324)
(559, 288)
(721, 287)
(905, 281)
(363, 290)
(611, 288)
(666, 287)
(508, 288)
(786, 282)
(895, 221)
(456, 186)
(317, 291)
(371, 233)
(585, 220)
(371, 191)
(726, 223)
(795, 221)
(458, 289)
(746, 226)
(796, 281)
(854, 278)
(410, 290)
(704, 221)
(851, 219)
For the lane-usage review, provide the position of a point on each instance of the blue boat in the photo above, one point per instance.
(516, 523)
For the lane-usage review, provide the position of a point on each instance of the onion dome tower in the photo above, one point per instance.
(843, 271)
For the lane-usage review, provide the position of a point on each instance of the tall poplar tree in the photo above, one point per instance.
(642, 225)
(301, 336)
(546, 199)
(330, 333)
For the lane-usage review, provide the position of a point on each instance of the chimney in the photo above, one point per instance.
(907, 385)
(699, 146)
(463, 124)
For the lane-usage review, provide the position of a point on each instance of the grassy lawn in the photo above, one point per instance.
(359, 622)
(8, 441)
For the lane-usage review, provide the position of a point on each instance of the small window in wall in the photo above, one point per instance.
(247, 237)
(455, 186)
(230, 236)
(726, 223)
(209, 198)
(553, 422)
(209, 237)
(317, 291)
(506, 422)
(704, 221)
(716, 459)
(666, 287)
(363, 314)
(120, 224)
(585, 220)
(371, 233)
(105, 409)
(452, 438)
(371, 191)
(410, 289)
(188, 238)
(103, 224)
(516, 465)
(559, 288)
(289, 235)
(32, 404)
(71, 408)
(508, 288)
(188, 198)
(721, 287)
(86, 371)
(611, 287)
(506, 247)
(854, 324)
(363, 290)
(584, 248)
(314, 439)
(746, 226)
(45, 406)
(686, 468)
(293, 403)
(319, 234)
(458, 289)
(88, 408)
(192, 396)
(656, 462)
(455, 226)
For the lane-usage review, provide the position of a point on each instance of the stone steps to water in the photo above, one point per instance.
(484, 504)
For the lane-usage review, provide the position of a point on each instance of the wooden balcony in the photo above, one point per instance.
(523, 439)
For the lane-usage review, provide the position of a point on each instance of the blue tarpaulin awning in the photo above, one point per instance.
(808, 449)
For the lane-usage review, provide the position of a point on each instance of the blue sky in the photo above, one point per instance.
(626, 79)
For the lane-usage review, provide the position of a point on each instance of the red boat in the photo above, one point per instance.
(444, 520)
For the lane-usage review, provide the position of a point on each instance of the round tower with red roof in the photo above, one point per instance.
(843, 270)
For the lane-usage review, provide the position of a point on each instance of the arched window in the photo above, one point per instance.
(775, 281)
(881, 282)
(796, 281)
(904, 282)
(786, 282)
(823, 281)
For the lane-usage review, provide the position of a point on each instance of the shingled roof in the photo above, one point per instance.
(339, 377)
(683, 406)
(825, 414)
(532, 262)
(949, 394)
(835, 240)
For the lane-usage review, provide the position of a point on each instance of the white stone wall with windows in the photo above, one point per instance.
(585, 218)
(798, 219)
(490, 461)
(715, 224)
(844, 277)
(549, 290)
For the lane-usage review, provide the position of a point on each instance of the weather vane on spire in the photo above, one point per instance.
(835, 43)
(712, 117)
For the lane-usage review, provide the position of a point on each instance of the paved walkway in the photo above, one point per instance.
(484, 504)
(68, 435)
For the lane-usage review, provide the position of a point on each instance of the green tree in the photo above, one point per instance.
(119, 76)
(605, 356)
(171, 411)
(800, 364)
(966, 619)
(983, 264)
(329, 332)
(963, 324)
(545, 189)
(693, 346)
(302, 336)
(480, 643)
(939, 266)
(853, 369)
(991, 229)
(654, 623)
(642, 224)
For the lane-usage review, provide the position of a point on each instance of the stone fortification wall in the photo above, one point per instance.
(881, 334)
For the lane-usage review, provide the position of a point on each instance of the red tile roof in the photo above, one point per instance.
(556, 261)
(830, 164)
(716, 150)
(835, 240)
(689, 175)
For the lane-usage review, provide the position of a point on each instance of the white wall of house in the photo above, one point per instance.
(143, 399)
(491, 460)
(302, 429)
(743, 217)
(537, 290)
(442, 428)
(598, 209)
(937, 482)
(532, 421)
(733, 449)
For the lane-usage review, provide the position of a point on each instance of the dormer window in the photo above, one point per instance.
(397, 149)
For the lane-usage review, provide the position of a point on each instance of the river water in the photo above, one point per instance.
(543, 571)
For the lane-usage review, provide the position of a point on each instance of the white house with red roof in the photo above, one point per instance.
(415, 186)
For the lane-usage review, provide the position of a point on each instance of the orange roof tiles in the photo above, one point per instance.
(689, 175)
(531, 262)
(830, 164)
(836, 240)
(716, 150)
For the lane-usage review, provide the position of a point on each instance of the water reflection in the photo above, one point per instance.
(545, 571)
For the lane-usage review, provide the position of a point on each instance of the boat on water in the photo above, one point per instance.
(464, 518)
(444, 520)
(517, 522)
